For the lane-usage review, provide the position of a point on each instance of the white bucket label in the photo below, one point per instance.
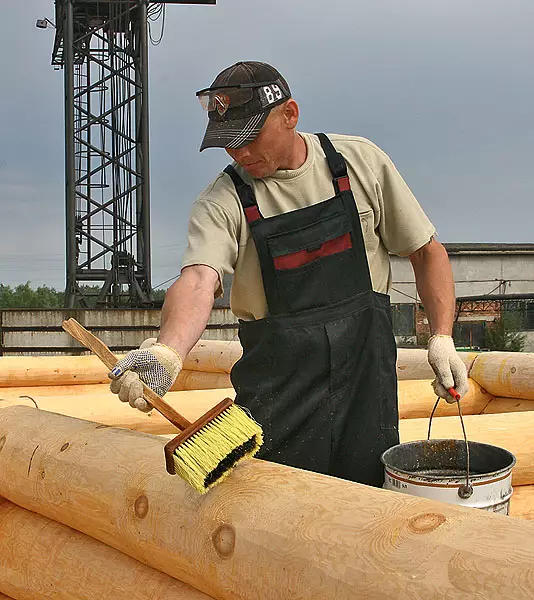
(492, 495)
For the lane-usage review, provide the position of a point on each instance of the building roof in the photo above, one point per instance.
(484, 248)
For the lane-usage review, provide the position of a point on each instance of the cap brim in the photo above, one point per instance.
(233, 134)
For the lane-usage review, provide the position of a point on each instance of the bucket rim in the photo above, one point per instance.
(387, 465)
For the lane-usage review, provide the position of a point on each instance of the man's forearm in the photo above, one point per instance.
(435, 285)
(187, 308)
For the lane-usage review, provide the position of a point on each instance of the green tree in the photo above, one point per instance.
(23, 296)
(504, 335)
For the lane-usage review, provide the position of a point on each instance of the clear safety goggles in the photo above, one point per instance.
(223, 97)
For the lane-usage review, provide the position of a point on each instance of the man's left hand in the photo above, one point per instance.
(448, 366)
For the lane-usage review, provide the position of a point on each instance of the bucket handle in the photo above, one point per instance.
(464, 491)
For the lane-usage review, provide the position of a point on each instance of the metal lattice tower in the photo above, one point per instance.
(102, 47)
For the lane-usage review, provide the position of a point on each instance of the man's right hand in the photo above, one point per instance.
(154, 364)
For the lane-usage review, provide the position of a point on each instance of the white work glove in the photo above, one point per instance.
(448, 366)
(155, 364)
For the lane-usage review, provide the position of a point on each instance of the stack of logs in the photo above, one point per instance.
(88, 510)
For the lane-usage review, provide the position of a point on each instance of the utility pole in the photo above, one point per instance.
(102, 47)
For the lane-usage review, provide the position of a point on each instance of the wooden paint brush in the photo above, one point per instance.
(205, 451)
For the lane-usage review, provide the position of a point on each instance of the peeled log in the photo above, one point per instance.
(417, 399)
(17, 371)
(269, 532)
(45, 371)
(522, 503)
(509, 374)
(213, 356)
(42, 559)
(201, 380)
(208, 356)
(97, 403)
(512, 431)
(506, 405)
(413, 364)
(101, 406)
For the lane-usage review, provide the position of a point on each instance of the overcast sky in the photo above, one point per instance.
(445, 87)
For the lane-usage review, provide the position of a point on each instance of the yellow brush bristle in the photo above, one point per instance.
(208, 456)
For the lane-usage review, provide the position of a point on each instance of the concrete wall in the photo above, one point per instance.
(529, 341)
(474, 274)
(39, 331)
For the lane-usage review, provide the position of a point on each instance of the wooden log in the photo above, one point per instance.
(512, 431)
(213, 356)
(522, 502)
(417, 399)
(70, 371)
(508, 374)
(506, 405)
(207, 356)
(17, 371)
(101, 406)
(210, 356)
(42, 559)
(268, 532)
(201, 380)
(413, 364)
(97, 403)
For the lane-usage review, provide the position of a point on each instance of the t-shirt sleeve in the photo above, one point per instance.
(404, 227)
(211, 239)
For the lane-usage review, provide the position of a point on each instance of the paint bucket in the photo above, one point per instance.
(436, 469)
(454, 471)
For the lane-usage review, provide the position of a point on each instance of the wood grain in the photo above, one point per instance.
(506, 405)
(207, 356)
(269, 532)
(522, 502)
(508, 374)
(417, 399)
(43, 560)
(98, 404)
(412, 363)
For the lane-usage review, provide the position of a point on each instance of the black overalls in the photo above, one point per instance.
(318, 373)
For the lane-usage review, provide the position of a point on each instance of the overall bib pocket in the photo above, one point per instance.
(314, 264)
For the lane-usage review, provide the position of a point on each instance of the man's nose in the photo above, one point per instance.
(238, 154)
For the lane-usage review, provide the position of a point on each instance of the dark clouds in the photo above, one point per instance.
(446, 88)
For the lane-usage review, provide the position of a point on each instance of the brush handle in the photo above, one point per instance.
(90, 341)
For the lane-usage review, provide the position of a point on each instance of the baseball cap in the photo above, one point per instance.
(239, 101)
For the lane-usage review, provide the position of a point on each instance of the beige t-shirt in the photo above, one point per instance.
(392, 219)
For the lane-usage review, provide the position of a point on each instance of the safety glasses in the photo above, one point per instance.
(223, 97)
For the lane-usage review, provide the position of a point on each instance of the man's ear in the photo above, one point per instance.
(291, 113)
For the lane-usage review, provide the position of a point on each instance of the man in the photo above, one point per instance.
(305, 224)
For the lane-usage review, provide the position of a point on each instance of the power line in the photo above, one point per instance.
(167, 281)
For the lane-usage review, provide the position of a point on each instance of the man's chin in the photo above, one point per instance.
(258, 171)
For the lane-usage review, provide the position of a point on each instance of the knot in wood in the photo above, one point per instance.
(141, 507)
(64, 447)
(2, 442)
(224, 540)
(426, 522)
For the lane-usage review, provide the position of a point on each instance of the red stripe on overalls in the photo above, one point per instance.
(303, 257)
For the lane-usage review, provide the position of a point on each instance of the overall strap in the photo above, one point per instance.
(336, 164)
(246, 196)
